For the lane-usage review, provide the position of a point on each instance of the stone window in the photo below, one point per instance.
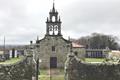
(53, 48)
(76, 53)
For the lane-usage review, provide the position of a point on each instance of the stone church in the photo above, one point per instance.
(52, 50)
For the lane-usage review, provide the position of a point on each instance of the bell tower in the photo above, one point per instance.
(53, 23)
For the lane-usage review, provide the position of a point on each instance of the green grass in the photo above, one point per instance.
(47, 77)
(44, 74)
(46, 71)
(94, 59)
(12, 60)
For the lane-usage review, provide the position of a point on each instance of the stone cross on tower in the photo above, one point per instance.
(53, 23)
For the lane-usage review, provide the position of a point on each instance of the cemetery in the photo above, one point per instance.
(55, 58)
(20, 68)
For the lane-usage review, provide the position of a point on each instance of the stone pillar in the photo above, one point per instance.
(67, 67)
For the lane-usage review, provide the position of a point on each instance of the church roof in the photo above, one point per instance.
(55, 36)
(75, 45)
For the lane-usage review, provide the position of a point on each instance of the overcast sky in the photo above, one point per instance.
(24, 20)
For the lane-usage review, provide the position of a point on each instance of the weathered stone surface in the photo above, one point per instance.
(44, 51)
(77, 70)
(19, 71)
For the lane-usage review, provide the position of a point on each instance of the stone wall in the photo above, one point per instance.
(22, 70)
(78, 70)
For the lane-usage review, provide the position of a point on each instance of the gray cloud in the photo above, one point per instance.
(22, 20)
(93, 16)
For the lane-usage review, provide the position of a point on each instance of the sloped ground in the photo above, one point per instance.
(12, 60)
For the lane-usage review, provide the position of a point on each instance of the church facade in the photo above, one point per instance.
(53, 48)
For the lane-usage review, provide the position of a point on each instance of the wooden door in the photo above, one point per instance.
(53, 62)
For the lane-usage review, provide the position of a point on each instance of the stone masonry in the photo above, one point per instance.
(75, 69)
(62, 47)
(22, 70)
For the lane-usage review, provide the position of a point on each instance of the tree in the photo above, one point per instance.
(99, 41)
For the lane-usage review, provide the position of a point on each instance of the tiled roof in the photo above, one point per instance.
(75, 45)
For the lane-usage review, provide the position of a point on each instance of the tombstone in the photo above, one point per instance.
(13, 53)
(16, 54)
(10, 53)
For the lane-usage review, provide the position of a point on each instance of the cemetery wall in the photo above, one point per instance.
(77, 70)
(22, 70)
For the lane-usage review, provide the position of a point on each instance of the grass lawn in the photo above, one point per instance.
(12, 60)
(94, 59)
(56, 74)
(47, 77)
